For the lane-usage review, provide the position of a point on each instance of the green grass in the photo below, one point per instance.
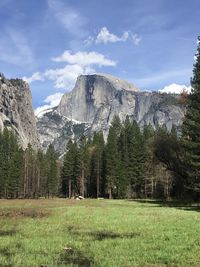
(106, 233)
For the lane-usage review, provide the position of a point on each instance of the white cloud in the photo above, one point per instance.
(37, 76)
(54, 99)
(51, 101)
(70, 18)
(79, 63)
(175, 89)
(89, 41)
(66, 77)
(104, 36)
(84, 59)
(136, 39)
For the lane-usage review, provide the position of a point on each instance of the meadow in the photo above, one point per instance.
(100, 233)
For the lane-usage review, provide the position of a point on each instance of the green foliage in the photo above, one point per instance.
(28, 173)
(97, 172)
(191, 131)
(168, 150)
(113, 160)
(132, 164)
(132, 155)
(71, 170)
(52, 181)
(10, 164)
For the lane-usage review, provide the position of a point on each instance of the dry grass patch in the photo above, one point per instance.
(30, 213)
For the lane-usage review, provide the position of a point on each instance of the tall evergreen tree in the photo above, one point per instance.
(136, 158)
(113, 163)
(41, 174)
(97, 163)
(6, 161)
(10, 164)
(124, 146)
(191, 131)
(84, 164)
(167, 150)
(52, 179)
(71, 171)
(67, 171)
(15, 165)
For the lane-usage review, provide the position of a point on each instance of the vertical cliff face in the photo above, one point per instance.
(16, 111)
(91, 93)
(93, 103)
(96, 99)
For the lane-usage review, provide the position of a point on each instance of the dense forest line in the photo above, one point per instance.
(26, 174)
(124, 166)
(133, 163)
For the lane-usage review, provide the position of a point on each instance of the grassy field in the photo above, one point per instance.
(118, 233)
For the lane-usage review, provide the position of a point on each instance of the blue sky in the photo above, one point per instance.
(49, 42)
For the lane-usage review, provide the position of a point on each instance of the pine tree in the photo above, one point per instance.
(191, 131)
(52, 179)
(41, 174)
(113, 161)
(150, 162)
(97, 160)
(67, 170)
(10, 164)
(124, 146)
(84, 164)
(5, 162)
(15, 165)
(71, 170)
(136, 158)
(1, 166)
(168, 151)
(132, 152)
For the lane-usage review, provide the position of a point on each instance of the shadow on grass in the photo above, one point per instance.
(5, 252)
(74, 257)
(181, 205)
(101, 235)
(10, 232)
(8, 252)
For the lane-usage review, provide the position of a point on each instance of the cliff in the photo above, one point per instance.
(16, 112)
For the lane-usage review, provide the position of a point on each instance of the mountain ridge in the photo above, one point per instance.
(94, 102)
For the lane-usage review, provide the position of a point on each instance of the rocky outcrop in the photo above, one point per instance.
(56, 129)
(93, 103)
(16, 111)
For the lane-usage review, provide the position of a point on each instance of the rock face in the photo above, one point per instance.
(16, 111)
(93, 103)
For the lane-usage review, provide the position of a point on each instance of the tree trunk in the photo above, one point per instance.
(70, 188)
(98, 178)
(82, 181)
(110, 193)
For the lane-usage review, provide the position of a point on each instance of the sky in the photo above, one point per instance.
(49, 43)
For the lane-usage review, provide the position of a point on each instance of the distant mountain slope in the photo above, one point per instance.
(93, 103)
(16, 111)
